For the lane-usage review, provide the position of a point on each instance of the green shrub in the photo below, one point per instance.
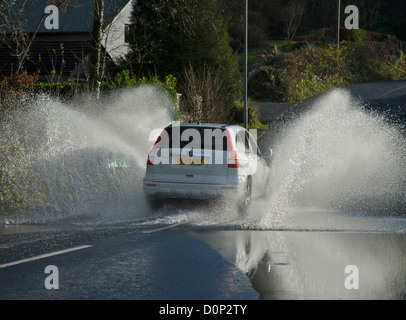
(373, 61)
(309, 69)
(236, 45)
(253, 116)
(15, 174)
(65, 89)
(358, 35)
(274, 81)
(123, 79)
(14, 91)
(395, 66)
(321, 68)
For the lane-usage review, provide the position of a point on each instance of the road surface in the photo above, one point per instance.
(196, 257)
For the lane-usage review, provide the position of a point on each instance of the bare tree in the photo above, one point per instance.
(12, 30)
(202, 96)
(293, 16)
(373, 12)
(95, 47)
(13, 33)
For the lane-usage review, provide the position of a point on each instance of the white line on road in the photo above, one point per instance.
(397, 89)
(42, 256)
(166, 227)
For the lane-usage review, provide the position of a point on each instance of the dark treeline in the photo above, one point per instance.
(269, 18)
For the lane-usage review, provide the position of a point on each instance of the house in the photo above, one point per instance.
(60, 49)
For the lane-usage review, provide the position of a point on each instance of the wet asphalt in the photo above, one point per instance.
(131, 260)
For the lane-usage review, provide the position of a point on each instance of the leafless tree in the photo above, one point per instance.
(95, 47)
(13, 33)
(12, 30)
(202, 96)
(293, 16)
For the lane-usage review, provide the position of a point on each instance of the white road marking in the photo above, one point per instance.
(42, 256)
(166, 227)
(389, 92)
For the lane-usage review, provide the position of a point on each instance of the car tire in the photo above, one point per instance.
(246, 198)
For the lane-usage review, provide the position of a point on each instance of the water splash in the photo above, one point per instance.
(88, 159)
(336, 167)
(84, 157)
(338, 156)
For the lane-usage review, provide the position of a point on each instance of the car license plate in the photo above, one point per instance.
(189, 160)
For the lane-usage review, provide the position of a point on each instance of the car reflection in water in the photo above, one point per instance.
(312, 265)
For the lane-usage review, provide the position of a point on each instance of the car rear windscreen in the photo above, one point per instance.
(194, 137)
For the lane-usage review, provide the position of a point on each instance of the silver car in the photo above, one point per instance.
(206, 161)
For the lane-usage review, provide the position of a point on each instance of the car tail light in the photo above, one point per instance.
(150, 160)
(232, 160)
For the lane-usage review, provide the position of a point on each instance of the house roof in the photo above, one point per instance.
(77, 17)
(75, 25)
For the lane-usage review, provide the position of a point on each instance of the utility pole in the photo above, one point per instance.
(246, 67)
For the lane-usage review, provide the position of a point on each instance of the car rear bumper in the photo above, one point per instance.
(172, 190)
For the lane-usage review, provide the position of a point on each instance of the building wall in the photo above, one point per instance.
(114, 37)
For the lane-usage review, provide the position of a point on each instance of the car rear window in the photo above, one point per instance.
(195, 137)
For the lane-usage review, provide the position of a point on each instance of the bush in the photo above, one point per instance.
(15, 175)
(395, 66)
(253, 116)
(15, 90)
(321, 68)
(300, 71)
(236, 45)
(275, 80)
(372, 61)
(64, 89)
(203, 96)
(123, 79)
(358, 35)
(168, 85)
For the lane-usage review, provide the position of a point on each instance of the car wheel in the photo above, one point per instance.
(246, 198)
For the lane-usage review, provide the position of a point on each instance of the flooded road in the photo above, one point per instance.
(194, 253)
(333, 227)
(317, 265)
(180, 257)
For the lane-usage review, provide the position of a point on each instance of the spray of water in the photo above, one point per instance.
(84, 157)
(338, 157)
